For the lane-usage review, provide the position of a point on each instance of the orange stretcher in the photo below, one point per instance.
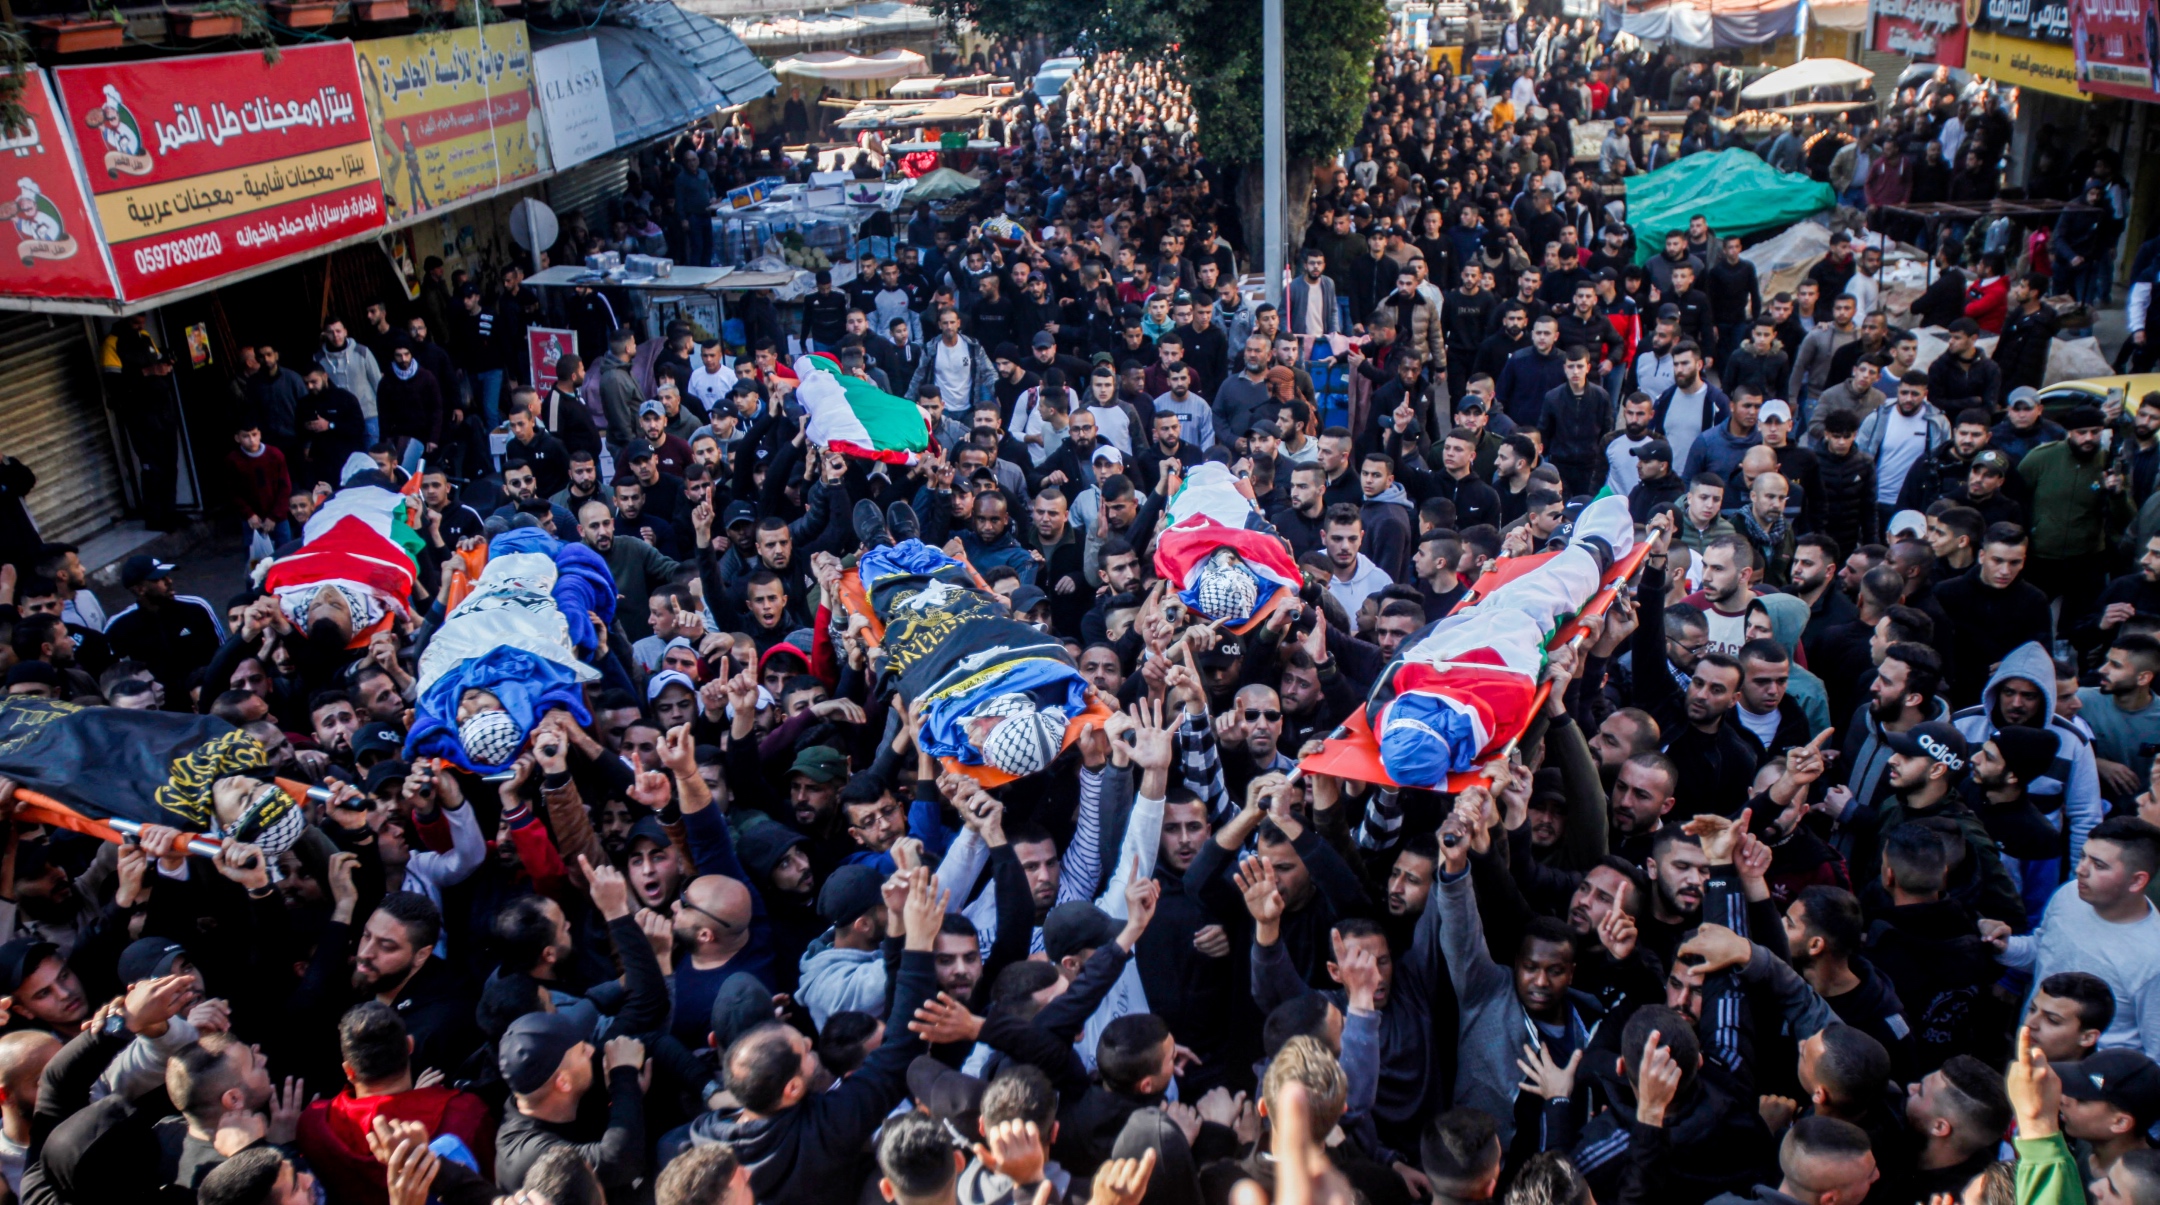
(36, 807)
(856, 601)
(1352, 752)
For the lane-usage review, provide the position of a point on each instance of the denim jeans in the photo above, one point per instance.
(487, 389)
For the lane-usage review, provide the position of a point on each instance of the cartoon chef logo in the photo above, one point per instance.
(123, 137)
(37, 220)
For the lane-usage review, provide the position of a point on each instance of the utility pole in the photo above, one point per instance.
(1271, 161)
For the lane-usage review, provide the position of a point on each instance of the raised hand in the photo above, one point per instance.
(1718, 948)
(1616, 932)
(285, 1107)
(609, 890)
(1544, 1077)
(1359, 970)
(2035, 1090)
(1015, 1150)
(1720, 837)
(1657, 1081)
(1255, 879)
(652, 789)
(944, 1021)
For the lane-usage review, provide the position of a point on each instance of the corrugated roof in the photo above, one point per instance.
(718, 54)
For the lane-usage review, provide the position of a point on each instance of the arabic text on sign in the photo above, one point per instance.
(328, 107)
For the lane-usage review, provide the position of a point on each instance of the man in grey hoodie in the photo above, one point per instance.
(353, 368)
(847, 972)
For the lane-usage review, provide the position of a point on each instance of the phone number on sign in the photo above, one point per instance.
(178, 252)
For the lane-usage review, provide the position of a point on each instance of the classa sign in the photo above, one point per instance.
(574, 98)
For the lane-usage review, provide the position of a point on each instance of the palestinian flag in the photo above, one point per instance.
(1186, 548)
(853, 417)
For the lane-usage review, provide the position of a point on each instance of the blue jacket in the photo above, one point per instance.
(1718, 450)
(1005, 550)
(1526, 379)
(1716, 409)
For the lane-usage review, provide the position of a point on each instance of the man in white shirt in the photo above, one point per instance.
(1865, 287)
(1898, 436)
(2102, 924)
(712, 378)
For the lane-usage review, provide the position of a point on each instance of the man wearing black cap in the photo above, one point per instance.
(173, 634)
(2110, 1099)
(546, 1060)
(1658, 487)
(41, 989)
(2003, 768)
(2078, 498)
(1928, 762)
(849, 974)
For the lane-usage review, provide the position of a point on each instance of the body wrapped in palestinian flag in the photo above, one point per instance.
(104, 765)
(1223, 569)
(510, 652)
(856, 418)
(993, 694)
(1462, 687)
(355, 563)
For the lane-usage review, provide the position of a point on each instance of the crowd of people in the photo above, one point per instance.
(1820, 876)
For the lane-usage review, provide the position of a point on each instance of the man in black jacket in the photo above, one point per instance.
(1964, 375)
(2027, 333)
(1735, 295)
(802, 1140)
(1573, 424)
(1992, 610)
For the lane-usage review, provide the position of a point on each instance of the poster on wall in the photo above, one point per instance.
(543, 346)
(2115, 44)
(207, 165)
(452, 113)
(1928, 31)
(54, 249)
(574, 99)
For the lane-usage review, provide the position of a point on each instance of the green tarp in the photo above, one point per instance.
(1734, 189)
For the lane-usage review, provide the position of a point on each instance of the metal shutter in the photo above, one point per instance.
(586, 188)
(52, 418)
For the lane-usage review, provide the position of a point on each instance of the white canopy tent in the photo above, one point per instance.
(837, 65)
(1806, 76)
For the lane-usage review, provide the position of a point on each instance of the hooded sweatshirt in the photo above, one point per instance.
(333, 1135)
(2074, 778)
(838, 981)
(1788, 619)
(1390, 529)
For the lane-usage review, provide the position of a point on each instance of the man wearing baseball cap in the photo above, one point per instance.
(848, 975)
(174, 634)
(1982, 489)
(2077, 499)
(546, 1060)
(1927, 763)
(2110, 1099)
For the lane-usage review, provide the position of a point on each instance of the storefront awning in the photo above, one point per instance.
(851, 25)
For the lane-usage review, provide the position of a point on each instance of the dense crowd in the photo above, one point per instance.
(1820, 876)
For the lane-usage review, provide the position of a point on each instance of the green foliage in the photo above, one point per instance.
(1328, 52)
(254, 25)
(16, 62)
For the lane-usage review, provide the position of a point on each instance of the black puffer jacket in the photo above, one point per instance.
(1848, 498)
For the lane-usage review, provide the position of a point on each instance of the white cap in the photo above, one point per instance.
(1108, 452)
(1909, 523)
(1776, 408)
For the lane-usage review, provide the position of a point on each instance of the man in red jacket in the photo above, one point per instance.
(378, 1062)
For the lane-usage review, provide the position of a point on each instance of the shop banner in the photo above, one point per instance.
(2026, 64)
(574, 99)
(543, 346)
(2028, 20)
(2116, 43)
(453, 114)
(203, 166)
(55, 251)
(1931, 31)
